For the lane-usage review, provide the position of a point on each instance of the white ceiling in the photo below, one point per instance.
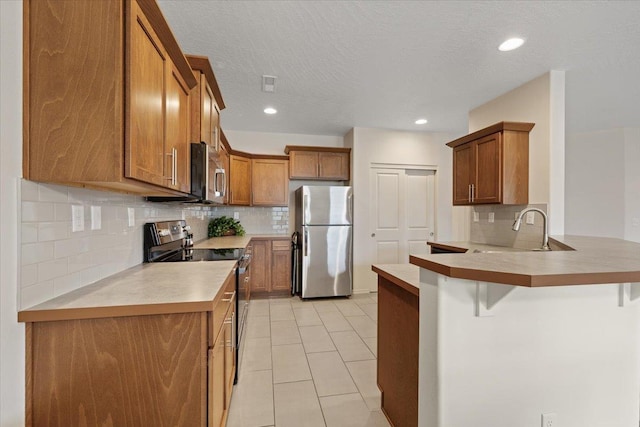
(384, 64)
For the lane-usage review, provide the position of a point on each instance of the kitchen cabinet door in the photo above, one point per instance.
(216, 397)
(281, 265)
(229, 354)
(145, 150)
(270, 182)
(304, 164)
(239, 180)
(206, 117)
(492, 165)
(178, 160)
(463, 172)
(488, 174)
(319, 163)
(260, 266)
(333, 166)
(96, 111)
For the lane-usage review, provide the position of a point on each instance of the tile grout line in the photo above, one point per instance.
(315, 388)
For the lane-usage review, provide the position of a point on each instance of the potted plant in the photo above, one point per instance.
(225, 226)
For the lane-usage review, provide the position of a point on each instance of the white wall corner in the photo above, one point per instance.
(12, 336)
(557, 152)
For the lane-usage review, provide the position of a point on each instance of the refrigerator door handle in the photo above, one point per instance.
(306, 242)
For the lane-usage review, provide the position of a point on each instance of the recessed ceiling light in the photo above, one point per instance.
(270, 110)
(421, 121)
(511, 44)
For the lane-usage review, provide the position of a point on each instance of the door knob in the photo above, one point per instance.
(373, 234)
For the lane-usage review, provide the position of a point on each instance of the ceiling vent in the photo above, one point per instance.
(268, 83)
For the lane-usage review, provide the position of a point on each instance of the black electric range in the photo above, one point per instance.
(172, 241)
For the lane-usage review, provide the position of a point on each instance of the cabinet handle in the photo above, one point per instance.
(318, 170)
(469, 193)
(229, 321)
(174, 173)
(174, 167)
(473, 192)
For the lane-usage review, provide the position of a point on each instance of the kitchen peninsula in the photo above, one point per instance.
(507, 337)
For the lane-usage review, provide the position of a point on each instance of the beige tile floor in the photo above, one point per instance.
(309, 363)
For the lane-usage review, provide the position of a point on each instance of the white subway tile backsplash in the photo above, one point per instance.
(56, 260)
(36, 294)
(68, 283)
(80, 262)
(68, 247)
(36, 252)
(52, 269)
(52, 193)
(29, 191)
(37, 211)
(48, 231)
(62, 212)
(28, 275)
(29, 232)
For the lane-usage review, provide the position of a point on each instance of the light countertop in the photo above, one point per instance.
(156, 288)
(463, 246)
(594, 260)
(230, 242)
(407, 276)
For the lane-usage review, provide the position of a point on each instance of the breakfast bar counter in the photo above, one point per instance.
(594, 260)
(503, 341)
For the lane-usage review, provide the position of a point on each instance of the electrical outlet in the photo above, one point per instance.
(77, 218)
(96, 217)
(492, 217)
(236, 215)
(530, 217)
(131, 213)
(550, 420)
(476, 217)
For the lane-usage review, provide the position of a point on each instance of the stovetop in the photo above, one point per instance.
(172, 241)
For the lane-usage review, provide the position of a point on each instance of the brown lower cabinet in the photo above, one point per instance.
(271, 266)
(149, 370)
(398, 320)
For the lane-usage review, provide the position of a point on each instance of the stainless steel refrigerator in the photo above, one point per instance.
(322, 243)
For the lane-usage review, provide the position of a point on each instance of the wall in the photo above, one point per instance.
(632, 184)
(540, 101)
(274, 143)
(568, 350)
(394, 147)
(595, 184)
(603, 182)
(11, 332)
(56, 260)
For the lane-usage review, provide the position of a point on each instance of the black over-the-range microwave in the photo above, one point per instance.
(208, 177)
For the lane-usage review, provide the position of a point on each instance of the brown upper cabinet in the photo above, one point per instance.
(110, 109)
(269, 182)
(319, 163)
(206, 103)
(492, 165)
(239, 180)
(258, 180)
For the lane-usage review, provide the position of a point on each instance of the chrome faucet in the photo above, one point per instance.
(545, 237)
